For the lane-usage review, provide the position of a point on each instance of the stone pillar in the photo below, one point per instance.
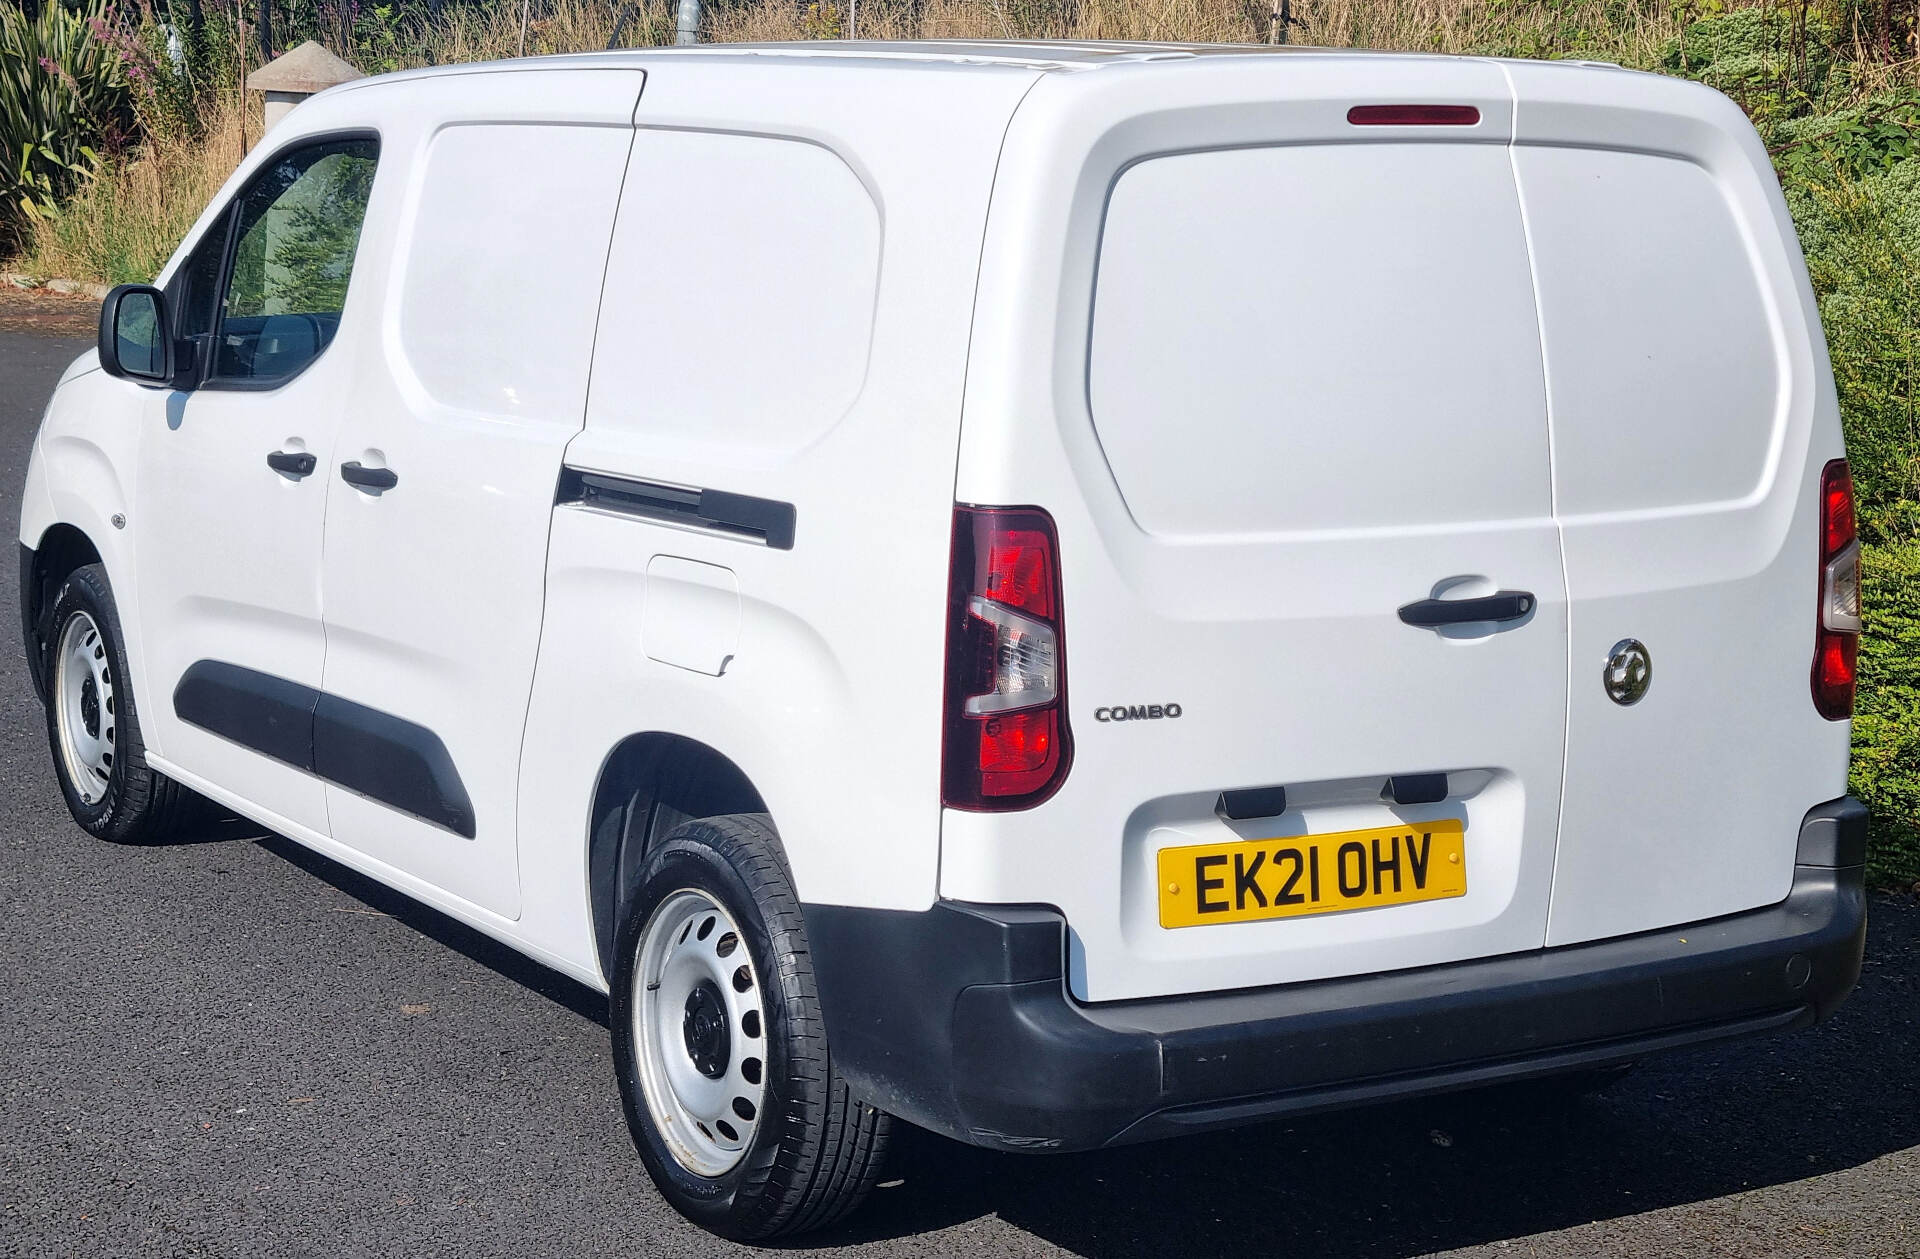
(292, 77)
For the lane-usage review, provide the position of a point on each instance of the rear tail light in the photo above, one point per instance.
(1006, 744)
(1837, 639)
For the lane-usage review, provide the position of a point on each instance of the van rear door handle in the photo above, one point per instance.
(361, 477)
(1503, 605)
(293, 463)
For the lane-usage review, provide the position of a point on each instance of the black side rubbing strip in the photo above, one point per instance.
(271, 715)
(390, 760)
(762, 519)
(375, 754)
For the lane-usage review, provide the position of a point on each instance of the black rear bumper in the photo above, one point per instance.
(958, 1018)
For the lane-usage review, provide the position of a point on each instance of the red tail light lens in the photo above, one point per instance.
(1006, 744)
(1837, 636)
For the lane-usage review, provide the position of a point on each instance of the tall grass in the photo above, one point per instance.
(124, 223)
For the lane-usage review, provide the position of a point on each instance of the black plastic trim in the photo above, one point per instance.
(1834, 836)
(1503, 605)
(29, 636)
(375, 754)
(361, 477)
(391, 760)
(762, 519)
(958, 1019)
(257, 710)
(1251, 802)
(1416, 789)
(297, 464)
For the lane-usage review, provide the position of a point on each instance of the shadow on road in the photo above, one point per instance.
(441, 929)
(1409, 1178)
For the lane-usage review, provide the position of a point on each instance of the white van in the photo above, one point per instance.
(1066, 594)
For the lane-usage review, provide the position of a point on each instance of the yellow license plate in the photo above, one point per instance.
(1249, 880)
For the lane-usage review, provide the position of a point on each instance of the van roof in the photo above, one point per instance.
(942, 54)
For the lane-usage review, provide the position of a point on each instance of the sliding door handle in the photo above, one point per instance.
(1504, 605)
(292, 463)
(361, 477)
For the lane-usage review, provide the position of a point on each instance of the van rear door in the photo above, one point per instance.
(1313, 386)
(1690, 419)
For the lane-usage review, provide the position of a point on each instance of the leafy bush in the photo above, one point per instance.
(63, 94)
(1871, 138)
(1862, 241)
(1774, 60)
(1886, 725)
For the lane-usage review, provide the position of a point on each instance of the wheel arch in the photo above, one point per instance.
(650, 783)
(62, 548)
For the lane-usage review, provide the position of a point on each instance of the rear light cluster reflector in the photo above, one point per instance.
(1006, 743)
(1837, 637)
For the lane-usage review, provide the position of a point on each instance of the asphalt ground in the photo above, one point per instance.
(234, 1047)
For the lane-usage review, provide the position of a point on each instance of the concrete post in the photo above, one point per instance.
(289, 79)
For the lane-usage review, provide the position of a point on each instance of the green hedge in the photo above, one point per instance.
(1886, 723)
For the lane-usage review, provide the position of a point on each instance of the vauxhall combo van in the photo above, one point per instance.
(1061, 594)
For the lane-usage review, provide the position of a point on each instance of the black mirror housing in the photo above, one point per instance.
(136, 341)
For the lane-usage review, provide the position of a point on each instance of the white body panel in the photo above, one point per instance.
(1272, 375)
(233, 566)
(1686, 470)
(485, 272)
(830, 703)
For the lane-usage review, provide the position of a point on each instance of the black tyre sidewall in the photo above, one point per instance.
(745, 1202)
(86, 590)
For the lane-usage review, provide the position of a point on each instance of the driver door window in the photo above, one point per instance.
(295, 231)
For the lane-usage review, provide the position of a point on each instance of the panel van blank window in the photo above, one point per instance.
(295, 239)
(1318, 337)
(504, 260)
(740, 294)
(1665, 384)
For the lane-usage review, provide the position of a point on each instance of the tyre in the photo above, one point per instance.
(729, 1088)
(93, 728)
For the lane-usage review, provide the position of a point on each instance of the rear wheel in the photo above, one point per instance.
(730, 1091)
(92, 725)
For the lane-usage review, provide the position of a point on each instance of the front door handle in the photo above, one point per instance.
(293, 463)
(1503, 605)
(361, 477)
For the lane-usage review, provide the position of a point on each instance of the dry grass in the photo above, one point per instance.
(1452, 26)
(123, 225)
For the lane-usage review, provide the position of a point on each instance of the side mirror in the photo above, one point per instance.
(135, 342)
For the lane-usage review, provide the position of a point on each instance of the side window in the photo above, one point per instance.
(295, 232)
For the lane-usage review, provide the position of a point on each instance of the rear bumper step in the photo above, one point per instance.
(958, 1019)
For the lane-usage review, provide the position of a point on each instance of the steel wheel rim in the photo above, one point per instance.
(699, 1032)
(84, 707)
